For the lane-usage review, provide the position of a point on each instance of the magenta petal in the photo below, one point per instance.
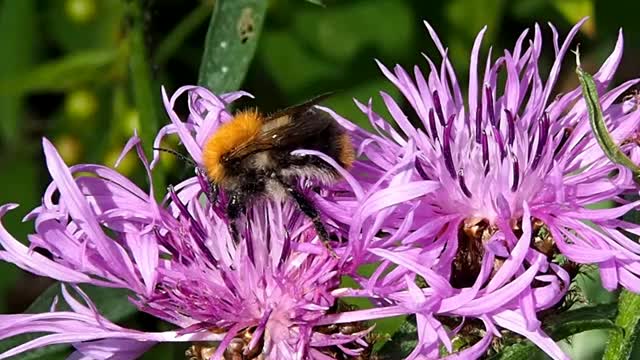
(514, 321)
(440, 285)
(518, 253)
(496, 299)
(79, 209)
(111, 349)
(17, 253)
(186, 138)
(146, 255)
(475, 351)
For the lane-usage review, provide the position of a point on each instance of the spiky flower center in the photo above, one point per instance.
(496, 158)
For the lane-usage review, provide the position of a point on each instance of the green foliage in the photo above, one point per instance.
(145, 89)
(562, 326)
(342, 32)
(559, 327)
(16, 17)
(624, 344)
(468, 16)
(333, 48)
(98, 31)
(404, 340)
(231, 41)
(78, 69)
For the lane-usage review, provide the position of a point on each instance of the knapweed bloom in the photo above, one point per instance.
(518, 172)
(264, 297)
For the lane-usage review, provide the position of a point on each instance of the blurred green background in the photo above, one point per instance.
(69, 71)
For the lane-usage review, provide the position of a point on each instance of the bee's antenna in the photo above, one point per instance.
(178, 155)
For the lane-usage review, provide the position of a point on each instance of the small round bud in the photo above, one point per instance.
(69, 148)
(80, 11)
(80, 104)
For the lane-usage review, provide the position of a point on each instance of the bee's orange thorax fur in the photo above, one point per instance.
(242, 128)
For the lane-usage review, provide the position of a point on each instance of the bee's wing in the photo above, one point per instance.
(296, 109)
(247, 149)
(292, 133)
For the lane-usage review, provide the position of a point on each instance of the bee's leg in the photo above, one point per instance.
(210, 189)
(212, 193)
(312, 213)
(235, 208)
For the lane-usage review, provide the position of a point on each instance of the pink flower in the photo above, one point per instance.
(271, 291)
(508, 180)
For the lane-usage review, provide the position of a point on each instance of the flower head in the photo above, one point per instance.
(509, 178)
(268, 293)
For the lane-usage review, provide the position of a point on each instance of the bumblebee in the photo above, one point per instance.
(251, 157)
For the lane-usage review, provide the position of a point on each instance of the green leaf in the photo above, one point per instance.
(402, 342)
(62, 74)
(596, 119)
(231, 43)
(521, 351)
(562, 326)
(112, 303)
(590, 285)
(621, 344)
(581, 319)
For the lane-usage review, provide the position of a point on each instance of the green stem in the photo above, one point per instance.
(621, 343)
(146, 92)
(177, 36)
